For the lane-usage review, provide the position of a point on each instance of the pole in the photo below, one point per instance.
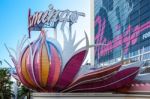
(55, 33)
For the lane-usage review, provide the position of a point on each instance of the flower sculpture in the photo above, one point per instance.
(43, 66)
(39, 64)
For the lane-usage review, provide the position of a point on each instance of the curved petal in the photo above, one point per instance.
(100, 74)
(118, 80)
(71, 69)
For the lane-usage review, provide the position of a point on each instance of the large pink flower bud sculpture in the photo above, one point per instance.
(39, 66)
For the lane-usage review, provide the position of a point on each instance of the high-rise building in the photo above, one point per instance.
(124, 26)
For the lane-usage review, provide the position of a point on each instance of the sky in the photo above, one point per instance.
(14, 20)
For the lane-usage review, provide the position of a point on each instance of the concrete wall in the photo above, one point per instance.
(87, 96)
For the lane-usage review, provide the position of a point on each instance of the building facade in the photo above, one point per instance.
(124, 26)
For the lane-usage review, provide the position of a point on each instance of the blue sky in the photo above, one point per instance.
(14, 19)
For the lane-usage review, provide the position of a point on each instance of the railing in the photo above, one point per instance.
(145, 56)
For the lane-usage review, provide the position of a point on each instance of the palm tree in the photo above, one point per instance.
(5, 83)
(22, 92)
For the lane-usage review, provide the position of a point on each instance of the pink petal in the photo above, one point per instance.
(71, 69)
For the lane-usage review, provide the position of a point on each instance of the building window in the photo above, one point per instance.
(134, 53)
(146, 49)
(134, 59)
(147, 63)
(146, 56)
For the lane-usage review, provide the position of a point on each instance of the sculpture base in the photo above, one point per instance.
(88, 96)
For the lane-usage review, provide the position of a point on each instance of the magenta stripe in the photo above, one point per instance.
(36, 67)
(37, 63)
(71, 69)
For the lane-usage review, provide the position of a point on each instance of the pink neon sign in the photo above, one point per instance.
(128, 37)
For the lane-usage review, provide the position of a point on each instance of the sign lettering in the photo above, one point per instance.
(51, 18)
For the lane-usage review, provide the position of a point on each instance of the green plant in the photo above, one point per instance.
(22, 92)
(5, 83)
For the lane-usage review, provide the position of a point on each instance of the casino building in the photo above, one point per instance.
(124, 26)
